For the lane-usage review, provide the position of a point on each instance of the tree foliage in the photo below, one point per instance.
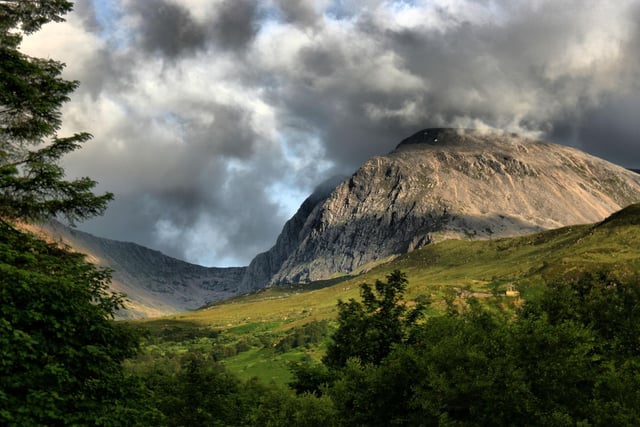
(367, 330)
(60, 352)
(32, 92)
(570, 357)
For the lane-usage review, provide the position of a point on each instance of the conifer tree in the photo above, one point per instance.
(32, 91)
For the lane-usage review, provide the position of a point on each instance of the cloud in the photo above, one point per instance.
(301, 12)
(236, 23)
(165, 27)
(173, 29)
(214, 119)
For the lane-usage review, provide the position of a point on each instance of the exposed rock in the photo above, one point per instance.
(439, 184)
(265, 265)
(155, 284)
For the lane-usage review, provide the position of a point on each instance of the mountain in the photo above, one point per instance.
(437, 184)
(155, 284)
(440, 184)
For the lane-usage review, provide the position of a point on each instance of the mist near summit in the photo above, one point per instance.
(213, 120)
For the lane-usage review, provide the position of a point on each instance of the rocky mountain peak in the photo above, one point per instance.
(461, 138)
(439, 184)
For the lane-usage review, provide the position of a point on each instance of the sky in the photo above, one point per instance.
(214, 119)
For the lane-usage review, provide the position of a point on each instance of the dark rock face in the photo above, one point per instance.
(439, 184)
(267, 264)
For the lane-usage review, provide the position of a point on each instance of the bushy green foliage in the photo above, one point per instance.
(60, 351)
(570, 357)
(281, 408)
(367, 330)
(309, 334)
(310, 377)
(196, 392)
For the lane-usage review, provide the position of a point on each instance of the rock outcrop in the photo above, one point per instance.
(267, 264)
(439, 184)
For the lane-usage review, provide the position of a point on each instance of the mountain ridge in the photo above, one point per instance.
(155, 284)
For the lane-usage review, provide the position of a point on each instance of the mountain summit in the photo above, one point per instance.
(439, 184)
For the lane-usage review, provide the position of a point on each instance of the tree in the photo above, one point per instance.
(367, 330)
(602, 301)
(32, 91)
(60, 352)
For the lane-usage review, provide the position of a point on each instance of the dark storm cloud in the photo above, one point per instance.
(214, 119)
(320, 61)
(611, 131)
(189, 184)
(299, 12)
(236, 23)
(86, 11)
(168, 28)
(525, 67)
(171, 29)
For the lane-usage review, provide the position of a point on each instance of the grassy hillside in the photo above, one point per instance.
(248, 329)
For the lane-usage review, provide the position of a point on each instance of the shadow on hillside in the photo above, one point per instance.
(173, 329)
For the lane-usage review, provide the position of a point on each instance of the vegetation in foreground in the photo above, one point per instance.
(60, 352)
(569, 356)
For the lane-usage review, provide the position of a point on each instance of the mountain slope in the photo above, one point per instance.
(463, 268)
(154, 283)
(439, 184)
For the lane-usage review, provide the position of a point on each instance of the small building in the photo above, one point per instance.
(512, 292)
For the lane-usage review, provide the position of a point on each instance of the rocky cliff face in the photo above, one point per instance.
(438, 184)
(267, 264)
(154, 283)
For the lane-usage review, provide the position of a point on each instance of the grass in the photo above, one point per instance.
(263, 364)
(461, 268)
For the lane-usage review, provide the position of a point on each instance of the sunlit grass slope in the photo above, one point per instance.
(451, 269)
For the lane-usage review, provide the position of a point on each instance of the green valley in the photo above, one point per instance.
(244, 331)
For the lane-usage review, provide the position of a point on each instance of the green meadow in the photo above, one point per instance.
(246, 333)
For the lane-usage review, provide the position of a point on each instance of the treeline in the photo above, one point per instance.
(567, 357)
